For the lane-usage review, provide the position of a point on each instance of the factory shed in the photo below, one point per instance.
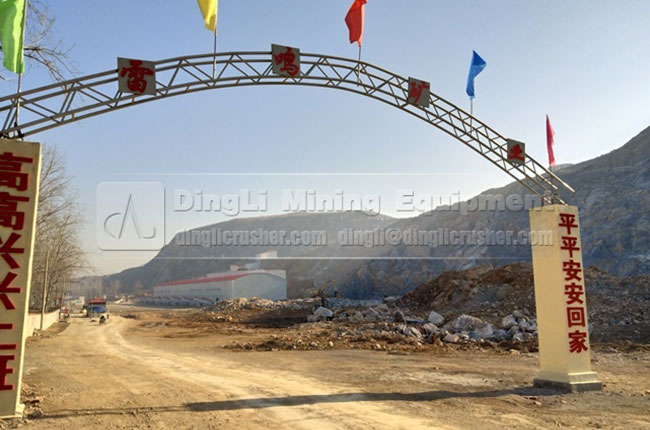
(267, 284)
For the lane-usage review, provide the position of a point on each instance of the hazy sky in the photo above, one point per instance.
(585, 63)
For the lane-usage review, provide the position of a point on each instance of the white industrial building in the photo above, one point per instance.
(266, 284)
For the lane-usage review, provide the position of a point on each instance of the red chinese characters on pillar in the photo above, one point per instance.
(5, 289)
(576, 316)
(11, 174)
(572, 270)
(12, 216)
(568, 221)
(574, 293)
(573, 287)
(577, 341)
(7, 249)
(569, 243)
(4, 360)
(4, 371)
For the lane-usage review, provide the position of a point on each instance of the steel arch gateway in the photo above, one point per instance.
(558, 278)
(62, 103)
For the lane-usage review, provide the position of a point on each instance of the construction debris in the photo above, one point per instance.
(481, 307)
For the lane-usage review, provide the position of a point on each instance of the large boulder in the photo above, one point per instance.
(436, 318)
(508, 321)
(429, 328)
(485, 332)
(464, 323)
(451, 338)
(413, 332)
(323, 313)
(519, 337)
(524, 325)
(500, 334)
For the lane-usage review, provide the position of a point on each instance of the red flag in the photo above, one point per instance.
(354, 20)
(550, 135)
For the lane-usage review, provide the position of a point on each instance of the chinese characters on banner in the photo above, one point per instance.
(286, 60)
(573, 283)
(136, 76)
(19, 177)
(419, 92)
(516, 152)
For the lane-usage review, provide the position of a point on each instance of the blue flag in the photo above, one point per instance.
(476, 67)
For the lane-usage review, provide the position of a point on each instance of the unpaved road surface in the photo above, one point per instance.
(121, 376)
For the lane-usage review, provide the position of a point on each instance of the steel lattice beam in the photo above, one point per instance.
(61, 103)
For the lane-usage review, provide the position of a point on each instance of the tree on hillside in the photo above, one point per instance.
(56, 244)
(43, 47)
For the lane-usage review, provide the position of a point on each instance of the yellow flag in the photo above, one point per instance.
(209, 11)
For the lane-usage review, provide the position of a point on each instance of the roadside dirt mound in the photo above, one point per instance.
(619, 308)
(518, 275)
(481, 291)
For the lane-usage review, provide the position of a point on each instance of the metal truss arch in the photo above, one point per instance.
(65, 102)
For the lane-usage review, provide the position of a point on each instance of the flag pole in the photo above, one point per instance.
(359, 67)
(20, 78)
(20, 75)
(214, 51)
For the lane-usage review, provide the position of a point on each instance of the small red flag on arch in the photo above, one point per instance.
(354, 20)
(550, 140)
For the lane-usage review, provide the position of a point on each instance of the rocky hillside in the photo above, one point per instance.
(618, 306)
(612, 192)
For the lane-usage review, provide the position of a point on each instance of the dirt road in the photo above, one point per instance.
(120, 376)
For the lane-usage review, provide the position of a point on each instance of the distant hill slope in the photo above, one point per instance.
(612, 192)
(177, 260)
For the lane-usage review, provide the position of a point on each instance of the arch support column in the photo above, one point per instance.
(560, 299)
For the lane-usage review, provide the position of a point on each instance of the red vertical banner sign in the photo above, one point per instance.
(20, 164)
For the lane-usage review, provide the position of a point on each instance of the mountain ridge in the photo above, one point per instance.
(612, 193)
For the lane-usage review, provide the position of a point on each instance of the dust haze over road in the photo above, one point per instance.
(133, 374)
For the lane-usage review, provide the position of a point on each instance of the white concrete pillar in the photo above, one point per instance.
(19, 173)
(560, 298)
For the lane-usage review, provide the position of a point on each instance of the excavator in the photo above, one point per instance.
(324, 292)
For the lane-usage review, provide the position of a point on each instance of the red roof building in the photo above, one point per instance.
(267, 284)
